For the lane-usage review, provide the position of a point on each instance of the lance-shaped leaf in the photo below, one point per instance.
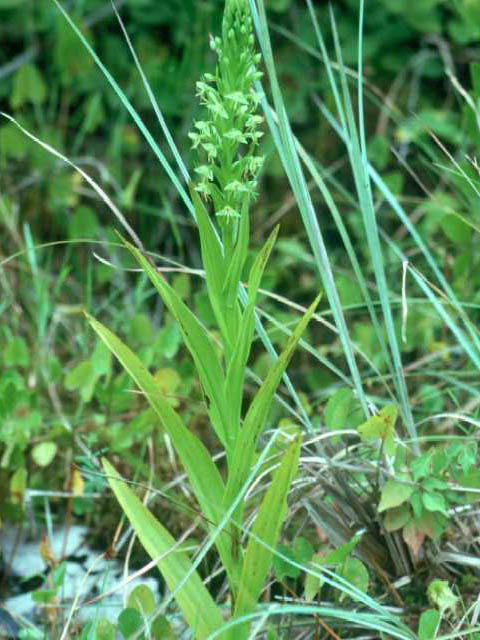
(237, 261)
(257, 414)
(236, 369)
(243, 340)
(199, 609)
(264, 536)
(259, 265)
(215, 265)
(202, 472)
(198, 343)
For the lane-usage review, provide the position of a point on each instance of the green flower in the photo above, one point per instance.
(227, 140)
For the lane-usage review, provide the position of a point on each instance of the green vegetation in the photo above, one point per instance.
(285, 414)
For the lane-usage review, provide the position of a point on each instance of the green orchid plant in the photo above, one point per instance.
(229, 164)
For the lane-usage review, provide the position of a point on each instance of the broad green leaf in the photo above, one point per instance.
(198, 343)
(161, 629)
(341, 553)
(28, 86)
(204, 476)
(434, 484)
(342, 410)
(356, 573)
(416, 503)
(397, 517)
(140, 330)
(394, 493)
(43, 453)
(420, 467)
(168, 381)
(428, 624)
(303, 550)
(168, 341)
(73, 62)
(44, 596)
(181, 284)
(16, 353)
(381, 427)
(258, 411)
(129, 622)
(301, 554)
(264, 535)
(101, 359)
(200, 611)
(82, 378)
(434, 501)
(59, 573)
(18, 484)
(142, 599)
(456, 229)
(105, 630)
(440, 594)
(281, 564)
(83, 223)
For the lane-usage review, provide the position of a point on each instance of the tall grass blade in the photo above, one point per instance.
(285, 143)
(358, 160)
(128, 106)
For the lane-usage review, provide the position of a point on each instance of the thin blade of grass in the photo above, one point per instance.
(128, 106)
(357, 152)
(151, 97)
(285, 144)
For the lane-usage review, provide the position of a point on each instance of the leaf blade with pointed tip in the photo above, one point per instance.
(198, 343)
(202, 472)
(265, 533)
(258, 411)
(195, 602)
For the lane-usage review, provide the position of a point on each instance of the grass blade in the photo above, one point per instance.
(285, 144)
